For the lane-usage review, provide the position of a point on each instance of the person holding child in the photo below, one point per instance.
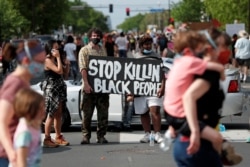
(200, 90)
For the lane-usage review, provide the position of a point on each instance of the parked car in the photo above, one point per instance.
(44, 38)
(236, 101)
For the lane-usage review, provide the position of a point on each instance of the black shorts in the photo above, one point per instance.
(181, 125)
(243, 62)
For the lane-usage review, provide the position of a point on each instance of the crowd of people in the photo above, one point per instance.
(191, 100)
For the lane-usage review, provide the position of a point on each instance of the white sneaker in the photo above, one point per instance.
(158, 137)
(145, 138)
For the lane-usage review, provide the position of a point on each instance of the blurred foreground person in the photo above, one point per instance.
(30, 57)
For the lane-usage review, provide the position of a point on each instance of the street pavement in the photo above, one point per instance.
(123, 150)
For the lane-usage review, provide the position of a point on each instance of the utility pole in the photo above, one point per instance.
(248, 16)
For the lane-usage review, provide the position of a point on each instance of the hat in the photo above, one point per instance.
(243, 33)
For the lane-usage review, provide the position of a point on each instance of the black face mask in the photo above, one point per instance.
(95, 40)
(200, 54)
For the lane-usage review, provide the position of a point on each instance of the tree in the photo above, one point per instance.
(226, 11)
(11, 21)
(83, 20)
(187, 10)
(43, 16)
(132, 23)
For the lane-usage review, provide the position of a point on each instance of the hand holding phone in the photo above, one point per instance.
(55, 52)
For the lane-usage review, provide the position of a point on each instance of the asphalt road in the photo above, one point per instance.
(116, 153)
(124, 149)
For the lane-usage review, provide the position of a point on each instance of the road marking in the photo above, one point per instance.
(236, 135)
(134, 137)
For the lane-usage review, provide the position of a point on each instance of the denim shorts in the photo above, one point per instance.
(4, 162)
(205, 157)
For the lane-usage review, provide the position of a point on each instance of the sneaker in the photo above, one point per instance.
(145, 138)
(48, 142)
(228, 155)
(61, 141)
(102, 140)
(158, 137)
(85, 140)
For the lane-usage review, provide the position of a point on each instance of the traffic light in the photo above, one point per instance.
(110, 8)
(127, 11)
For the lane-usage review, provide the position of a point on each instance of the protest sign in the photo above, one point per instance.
(125, 75)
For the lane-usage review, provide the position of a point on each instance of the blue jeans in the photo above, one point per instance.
(123, 53)
(73, 68)
(205, 157)
(128, 114)
(4, 162)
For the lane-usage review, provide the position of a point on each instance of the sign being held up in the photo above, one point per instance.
(125, 75)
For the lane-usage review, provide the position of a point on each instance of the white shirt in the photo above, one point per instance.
(121, 42)
(69, 48)
(242, 46)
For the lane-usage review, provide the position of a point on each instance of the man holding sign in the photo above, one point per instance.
(90, 98)
(149, 105)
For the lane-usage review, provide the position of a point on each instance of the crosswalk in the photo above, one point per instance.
(239, 135)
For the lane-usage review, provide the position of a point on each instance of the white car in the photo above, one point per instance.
(236, 101)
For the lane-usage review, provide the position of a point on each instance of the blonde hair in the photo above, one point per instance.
(27, 102)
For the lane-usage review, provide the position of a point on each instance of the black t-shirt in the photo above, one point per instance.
(210, 104)
(110, 48)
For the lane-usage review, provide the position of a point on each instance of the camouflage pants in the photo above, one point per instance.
(89, 103)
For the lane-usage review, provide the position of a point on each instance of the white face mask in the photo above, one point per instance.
(147, 52)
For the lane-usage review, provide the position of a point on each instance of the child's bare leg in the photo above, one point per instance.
(213, 136)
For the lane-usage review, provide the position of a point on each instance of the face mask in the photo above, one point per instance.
(223, 57)
(147, 52)
(36, 69)
(95, 40)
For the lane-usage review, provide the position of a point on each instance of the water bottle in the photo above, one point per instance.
(151, 139)
(222, 128)
(167, 141)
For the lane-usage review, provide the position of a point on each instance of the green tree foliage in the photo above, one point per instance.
(132, 23)
(43, 16)
(141, 21)
(83, 20)
(11, 21)
(226, 11)
(187, 10)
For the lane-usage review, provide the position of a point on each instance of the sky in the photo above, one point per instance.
(119, 8)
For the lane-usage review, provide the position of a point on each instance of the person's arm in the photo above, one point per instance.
(165, 52)
(51, 65)
(161, 91)
(198, 88)
(84, 69)
(6, 115)
(87, 87)
(22, 154)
